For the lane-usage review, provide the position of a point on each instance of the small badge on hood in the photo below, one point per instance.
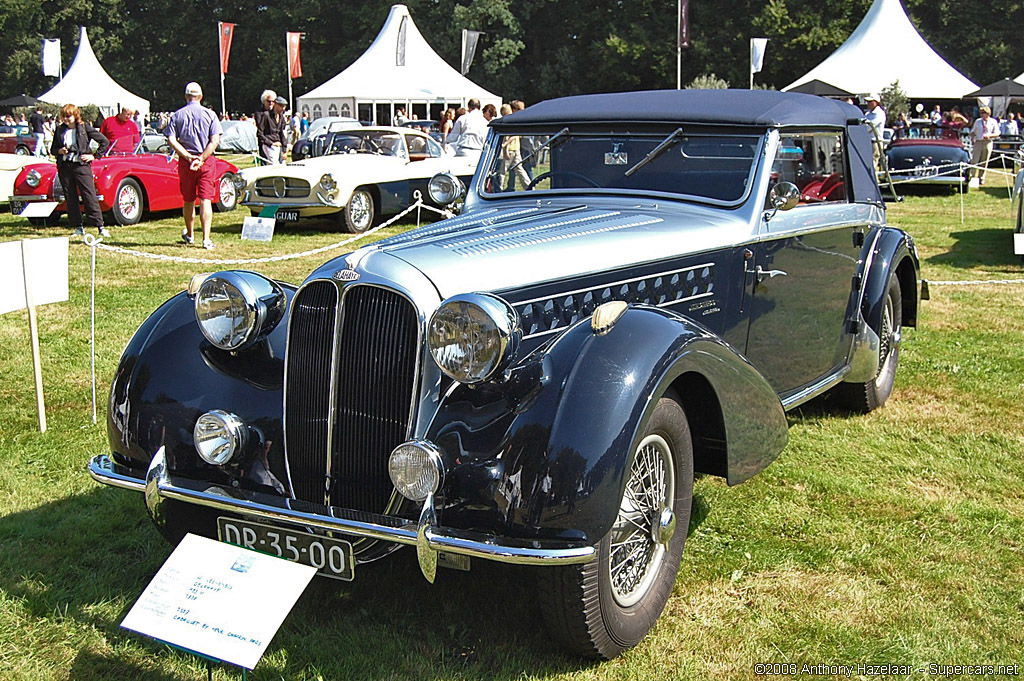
(346, 275)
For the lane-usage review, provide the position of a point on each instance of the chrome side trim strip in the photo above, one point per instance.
(813, 390)
(386, 528)
(614, 283)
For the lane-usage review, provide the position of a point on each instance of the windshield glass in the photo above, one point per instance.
(714, 167)
(379, 142)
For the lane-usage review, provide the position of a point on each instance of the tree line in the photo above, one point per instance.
(530, 50)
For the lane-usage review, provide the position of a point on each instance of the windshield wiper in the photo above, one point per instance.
(657, 151)
(564, 132)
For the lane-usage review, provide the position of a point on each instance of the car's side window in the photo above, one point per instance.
(815, 163)
(433, 148)
(417, 147)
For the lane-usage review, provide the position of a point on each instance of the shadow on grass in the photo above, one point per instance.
(989, 248)
(90, 556)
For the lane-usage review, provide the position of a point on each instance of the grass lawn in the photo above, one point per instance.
(892, 538)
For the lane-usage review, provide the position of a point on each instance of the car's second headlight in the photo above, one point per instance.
(33, 178)
(327, 182)
(235, 309)
(473, 336)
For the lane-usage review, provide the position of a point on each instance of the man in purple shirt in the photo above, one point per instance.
(194, 132)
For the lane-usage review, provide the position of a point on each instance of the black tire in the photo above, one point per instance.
(128, 202)
(227, 194)
(22, 150)
(603, 608)
(865, 397)
(359, 212)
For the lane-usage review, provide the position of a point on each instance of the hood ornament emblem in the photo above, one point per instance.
(346, 275)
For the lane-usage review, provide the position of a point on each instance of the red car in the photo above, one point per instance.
(129, 181)
(17, 140)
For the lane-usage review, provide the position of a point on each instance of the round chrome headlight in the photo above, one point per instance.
(236, 309)
(219, 436)
(327, 182)
(445, 189)
(33, 178)
(240, 183)
(416, 469)
(473, 336)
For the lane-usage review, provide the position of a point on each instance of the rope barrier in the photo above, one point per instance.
(975, 282)
(97, 243)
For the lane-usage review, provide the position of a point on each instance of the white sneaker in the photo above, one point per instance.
(185, 237)
(104, 231)
(208, 244)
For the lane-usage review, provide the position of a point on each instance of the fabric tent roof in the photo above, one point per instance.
(885, 48)
(87, 83)
(377, 75)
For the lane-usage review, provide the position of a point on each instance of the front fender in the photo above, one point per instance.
(545, 454)
(169, 375)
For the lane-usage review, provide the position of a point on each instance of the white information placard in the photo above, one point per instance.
(47, 261)
(258, 229)
(1018, 243)
(38, 209)
(219, 600)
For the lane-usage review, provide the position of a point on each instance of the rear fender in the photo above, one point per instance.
(545, 454)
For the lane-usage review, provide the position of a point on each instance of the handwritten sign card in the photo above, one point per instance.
(219, 600)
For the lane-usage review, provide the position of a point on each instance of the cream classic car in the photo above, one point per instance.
(363, 174)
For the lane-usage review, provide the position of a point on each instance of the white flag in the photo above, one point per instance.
(757, 47)
(51, 57)
(469, 41)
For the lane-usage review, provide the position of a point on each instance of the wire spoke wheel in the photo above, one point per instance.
(636, 554)
(128, 201)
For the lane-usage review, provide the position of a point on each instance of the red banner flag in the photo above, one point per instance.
(684, 23)
(226, 32)
(294, 65)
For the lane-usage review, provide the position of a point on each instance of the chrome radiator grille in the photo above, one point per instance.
(338, 452)
(282, 188)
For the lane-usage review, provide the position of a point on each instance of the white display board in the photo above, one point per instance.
(47, 261)
(258, 229)
(1018, 243)
(219, 600)
(38, 209)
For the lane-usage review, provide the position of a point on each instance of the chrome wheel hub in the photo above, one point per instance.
(645, 522)
(359, 209)
(128, 202)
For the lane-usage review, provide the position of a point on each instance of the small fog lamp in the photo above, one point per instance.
(416, 469)
(219, 436)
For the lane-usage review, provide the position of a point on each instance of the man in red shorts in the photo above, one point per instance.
(194, 132)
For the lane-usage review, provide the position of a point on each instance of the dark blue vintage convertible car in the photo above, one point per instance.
(537, 380)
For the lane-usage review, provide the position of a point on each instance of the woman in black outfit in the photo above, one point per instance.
(74, 167)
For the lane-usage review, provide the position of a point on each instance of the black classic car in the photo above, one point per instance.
(537, 380)
(928, 161)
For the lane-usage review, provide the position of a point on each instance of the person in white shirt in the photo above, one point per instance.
(984, 130)
(470, 131)
(1008, 126)
(875, 118)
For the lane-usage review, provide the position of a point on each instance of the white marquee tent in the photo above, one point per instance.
(398, 69)
(87, 83)
(885, 48)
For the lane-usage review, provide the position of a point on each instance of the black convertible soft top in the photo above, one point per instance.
(731, 107)
(758, 108)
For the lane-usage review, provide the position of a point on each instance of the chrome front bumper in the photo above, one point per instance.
(426, 535)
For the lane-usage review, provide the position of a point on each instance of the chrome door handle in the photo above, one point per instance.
(761, 274)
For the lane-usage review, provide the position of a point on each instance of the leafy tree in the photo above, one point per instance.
(894, 101)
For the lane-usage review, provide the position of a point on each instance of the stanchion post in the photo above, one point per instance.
(92, 328)
(963, 189)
